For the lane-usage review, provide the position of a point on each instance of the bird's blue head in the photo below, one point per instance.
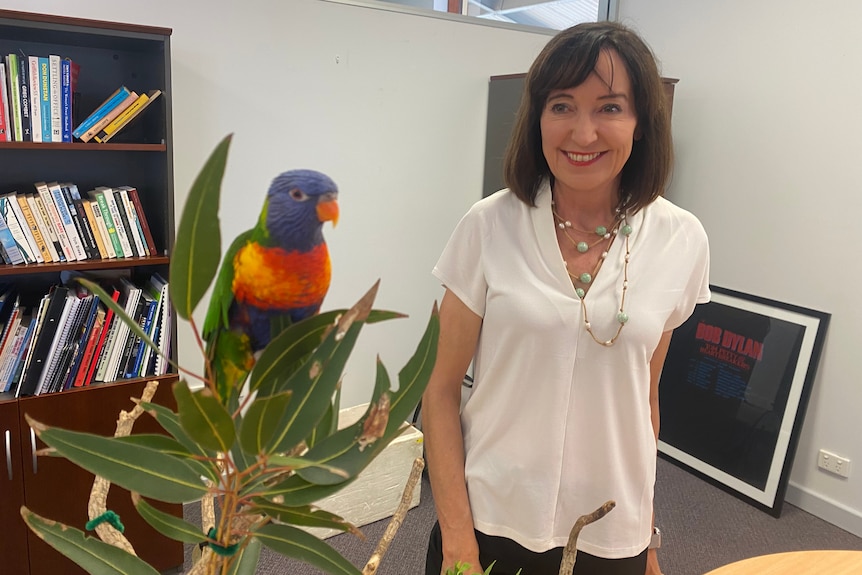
(299, 202)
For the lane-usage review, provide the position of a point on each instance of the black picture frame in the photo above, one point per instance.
(734, 390)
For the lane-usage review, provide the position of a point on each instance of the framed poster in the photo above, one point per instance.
(734, 389)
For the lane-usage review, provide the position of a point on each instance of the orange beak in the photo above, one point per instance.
(327, 211)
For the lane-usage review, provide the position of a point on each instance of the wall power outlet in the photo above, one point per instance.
(833, 463)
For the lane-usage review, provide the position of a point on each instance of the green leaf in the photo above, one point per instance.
(260, 421)
(353, 448)
(90, 553)
(197, 249)
(296, 491)
(170, 422)
(284, 354)
(246, 560)
(305, 516)
(323, 428)
(297, 543)
(150, 472)
(120, 312)
(315, 382)
(171, 446)
(166, 524)
(204, 418)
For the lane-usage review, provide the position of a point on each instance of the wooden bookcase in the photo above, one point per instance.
(110, 55)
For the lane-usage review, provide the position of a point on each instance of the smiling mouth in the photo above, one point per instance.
(581, 158)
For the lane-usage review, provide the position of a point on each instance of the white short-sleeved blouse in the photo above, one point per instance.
(558, 424)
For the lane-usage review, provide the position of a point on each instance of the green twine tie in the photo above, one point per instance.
(228, 551)
(108, 516)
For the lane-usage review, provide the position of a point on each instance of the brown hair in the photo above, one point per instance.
(566, 62)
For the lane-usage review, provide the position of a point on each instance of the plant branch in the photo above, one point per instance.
(398, 518)
(571, 550)
(97, 504)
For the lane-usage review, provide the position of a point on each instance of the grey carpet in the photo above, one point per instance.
(703, 528)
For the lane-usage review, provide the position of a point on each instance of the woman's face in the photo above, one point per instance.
(588, 131)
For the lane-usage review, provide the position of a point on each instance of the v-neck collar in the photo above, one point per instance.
(549, 247)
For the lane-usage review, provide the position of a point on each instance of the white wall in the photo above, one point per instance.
(768, 133)
(398, 122)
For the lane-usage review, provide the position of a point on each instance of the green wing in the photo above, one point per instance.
(222, 296)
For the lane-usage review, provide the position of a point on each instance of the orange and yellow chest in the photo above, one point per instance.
(272, 278)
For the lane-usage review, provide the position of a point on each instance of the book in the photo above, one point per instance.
(44, 99)
(102, 200)
(98, 353)
(73, 198)
(97, 234)
(90, 347)
(48, 230)
(119, 224)
(5, 118)
(103, 229)
(8, 214)
(30, 218)
(109, 117)
(142, 219)
(134, 228)
(26, 99)
(118, 96)
(66, 217)
(18, 346)
(66, 99)
(10, 246)
(14, 96)
(36, 95)
(56, 220)
(55, 98)
(61, 334)
(22, 221)
(43, 341)
(132, 112)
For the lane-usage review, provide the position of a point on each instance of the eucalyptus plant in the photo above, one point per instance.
(264, 457)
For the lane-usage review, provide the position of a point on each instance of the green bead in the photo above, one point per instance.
(622, 317)
(601, 230)
(626, 230)
(580, 291)
(582, 247)
(586, 278)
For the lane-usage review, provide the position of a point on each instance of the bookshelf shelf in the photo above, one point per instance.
(82, 147)
(54, 267)
(110, 55)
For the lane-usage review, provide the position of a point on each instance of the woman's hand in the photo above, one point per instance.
(652, 567)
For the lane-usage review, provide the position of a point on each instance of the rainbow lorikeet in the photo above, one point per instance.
(279, 270)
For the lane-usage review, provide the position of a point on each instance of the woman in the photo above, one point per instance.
(563, 290)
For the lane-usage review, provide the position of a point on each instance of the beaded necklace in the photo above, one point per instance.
(620, 225)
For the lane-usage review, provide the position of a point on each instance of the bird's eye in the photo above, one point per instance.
(298, 195)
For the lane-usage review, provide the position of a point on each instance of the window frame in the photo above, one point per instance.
(607, 8)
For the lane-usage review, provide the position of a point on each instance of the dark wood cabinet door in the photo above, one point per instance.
(13, 541)
(59, 490)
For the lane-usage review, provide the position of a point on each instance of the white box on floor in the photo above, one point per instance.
(377, 491)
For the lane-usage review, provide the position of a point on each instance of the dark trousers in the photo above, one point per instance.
(510, 557)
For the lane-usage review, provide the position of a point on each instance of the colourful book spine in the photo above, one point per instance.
(9, 244)
(26, 99)
(56, 220)
(99, 196)
(56, 98)
(36, 94)
(14, 97)
(66, 99)
(109, 117)
(5, 119)
(14, 226)
(118, 96)
(45, 98)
